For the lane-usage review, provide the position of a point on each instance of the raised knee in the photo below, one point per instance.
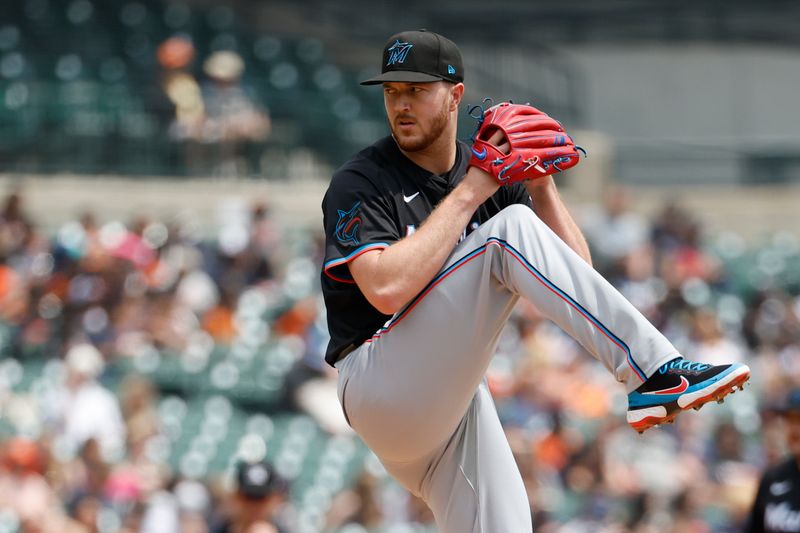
(514, 221)
(517, 212)
(515, 216)
(511, 221)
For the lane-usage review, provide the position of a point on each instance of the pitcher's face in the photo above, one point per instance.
(418, 113)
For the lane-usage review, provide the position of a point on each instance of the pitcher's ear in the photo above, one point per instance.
(456, 95)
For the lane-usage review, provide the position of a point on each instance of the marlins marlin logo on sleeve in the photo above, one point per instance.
(348, 224)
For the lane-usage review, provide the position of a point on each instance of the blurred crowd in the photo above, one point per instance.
(80, 457)
(217, 116)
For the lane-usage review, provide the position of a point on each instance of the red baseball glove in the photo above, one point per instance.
(538, 145)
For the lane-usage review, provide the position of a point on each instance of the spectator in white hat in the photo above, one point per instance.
(234, 117)
(83, 408)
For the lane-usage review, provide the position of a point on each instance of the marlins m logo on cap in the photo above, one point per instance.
(398, 52)
(435, 58)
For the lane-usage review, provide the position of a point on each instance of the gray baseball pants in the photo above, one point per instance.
(415, 391)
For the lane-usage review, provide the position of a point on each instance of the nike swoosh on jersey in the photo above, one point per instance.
(409, 198)
(480, 156)
(672, 390)
(779, 488)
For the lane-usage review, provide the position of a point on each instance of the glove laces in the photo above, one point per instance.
(563, 159)
(477, 112)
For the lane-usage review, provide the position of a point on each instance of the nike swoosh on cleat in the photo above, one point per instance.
(409, 198)
(480, 156)
(672, 390)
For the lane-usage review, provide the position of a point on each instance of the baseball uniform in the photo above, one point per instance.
(412, 384)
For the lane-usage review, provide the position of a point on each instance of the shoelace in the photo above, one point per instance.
(683, 364)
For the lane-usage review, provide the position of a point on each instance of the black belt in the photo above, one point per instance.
(347, 350)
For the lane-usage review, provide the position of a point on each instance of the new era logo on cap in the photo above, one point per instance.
(419, 56)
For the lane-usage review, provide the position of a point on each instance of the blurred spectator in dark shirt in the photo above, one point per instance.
(233, 113)
(677, 237)
(776, 508)
(256, 503)
(15, 227)
(234, 118)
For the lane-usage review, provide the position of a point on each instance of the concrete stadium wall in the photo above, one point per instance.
(753, 212)
(51, 200)
(688, 92)
(683, 112)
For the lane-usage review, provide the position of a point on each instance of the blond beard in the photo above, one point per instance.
(438, 126)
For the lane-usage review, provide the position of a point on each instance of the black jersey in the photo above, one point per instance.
(375, 199)
(777, 505)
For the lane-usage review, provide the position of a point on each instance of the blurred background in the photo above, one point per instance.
(162, 165)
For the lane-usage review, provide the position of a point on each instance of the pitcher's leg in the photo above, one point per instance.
(534, 262)
(472, 483)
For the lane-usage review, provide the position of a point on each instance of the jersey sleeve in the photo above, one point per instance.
(357, 218)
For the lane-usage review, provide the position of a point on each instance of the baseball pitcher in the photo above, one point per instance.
(429, 244)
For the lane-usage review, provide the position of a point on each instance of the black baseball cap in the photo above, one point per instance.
(419, 56)
(256, 480)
